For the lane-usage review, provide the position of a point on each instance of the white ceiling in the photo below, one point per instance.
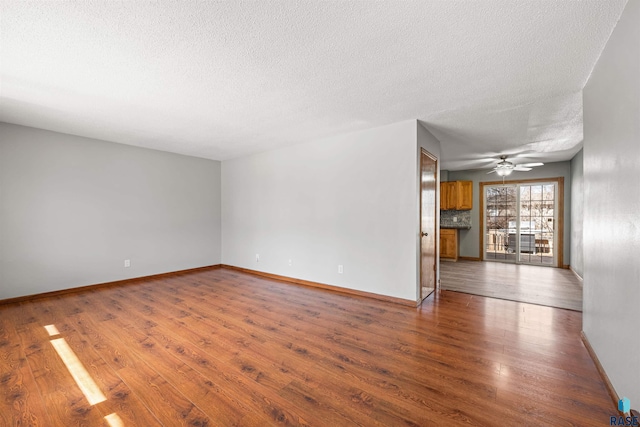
(225, 79)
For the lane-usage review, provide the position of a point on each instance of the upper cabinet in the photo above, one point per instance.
(465, 195)
(456, 195)
(446, 188)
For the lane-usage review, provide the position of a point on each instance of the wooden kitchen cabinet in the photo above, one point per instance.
(444, 196)
(446, 188)
(449, 244)
(465, 195)
(456, 195)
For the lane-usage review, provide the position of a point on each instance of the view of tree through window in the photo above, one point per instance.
(524, 210)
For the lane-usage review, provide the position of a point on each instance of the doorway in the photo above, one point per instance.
(522, 222)
(428, 216)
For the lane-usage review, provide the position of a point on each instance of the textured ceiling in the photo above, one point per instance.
(225, 79)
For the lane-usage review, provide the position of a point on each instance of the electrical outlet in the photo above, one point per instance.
(290, 262)
(257, 257)
(340, 269)
(455, 219)
(127, 263)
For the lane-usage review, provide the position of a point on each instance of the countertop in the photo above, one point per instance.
(459, 220)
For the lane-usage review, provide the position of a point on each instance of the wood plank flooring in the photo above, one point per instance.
(553, 287)
(223, 348)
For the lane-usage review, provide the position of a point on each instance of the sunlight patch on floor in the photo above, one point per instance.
(78, 372)
(52, 330)
(114, 420)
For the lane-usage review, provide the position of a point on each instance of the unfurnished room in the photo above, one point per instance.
(319, 213)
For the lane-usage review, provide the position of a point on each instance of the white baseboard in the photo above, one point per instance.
(576, 274)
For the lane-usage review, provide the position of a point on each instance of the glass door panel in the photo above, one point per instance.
(501, 209)
(520, 223)
(537, 213)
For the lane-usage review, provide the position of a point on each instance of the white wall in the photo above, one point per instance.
(577, 213)
(612, 206)
(73, 209)
(348, 200)
(470, 239)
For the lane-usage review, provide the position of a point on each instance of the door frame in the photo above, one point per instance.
(436, 228)
(559, 197)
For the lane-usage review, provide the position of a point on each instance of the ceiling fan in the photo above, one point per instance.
(505, 167)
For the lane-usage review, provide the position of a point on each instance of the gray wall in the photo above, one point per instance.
(73, 209)
(577, 213)
(349, 200)
(470, 239)
(612, 206)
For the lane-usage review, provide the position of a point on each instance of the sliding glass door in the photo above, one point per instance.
(519, 223)
(501, 211)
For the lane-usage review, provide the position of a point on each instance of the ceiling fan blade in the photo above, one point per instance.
(521, 169)
(531, 165)
(525, 153)
(492, 171)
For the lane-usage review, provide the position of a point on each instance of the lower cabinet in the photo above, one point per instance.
(449, 244)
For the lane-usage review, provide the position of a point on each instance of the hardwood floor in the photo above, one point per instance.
(223, 348)
(552, 287)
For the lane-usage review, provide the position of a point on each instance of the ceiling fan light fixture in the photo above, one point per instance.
(505, 167)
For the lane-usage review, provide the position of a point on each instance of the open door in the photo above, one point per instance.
(428, 252)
